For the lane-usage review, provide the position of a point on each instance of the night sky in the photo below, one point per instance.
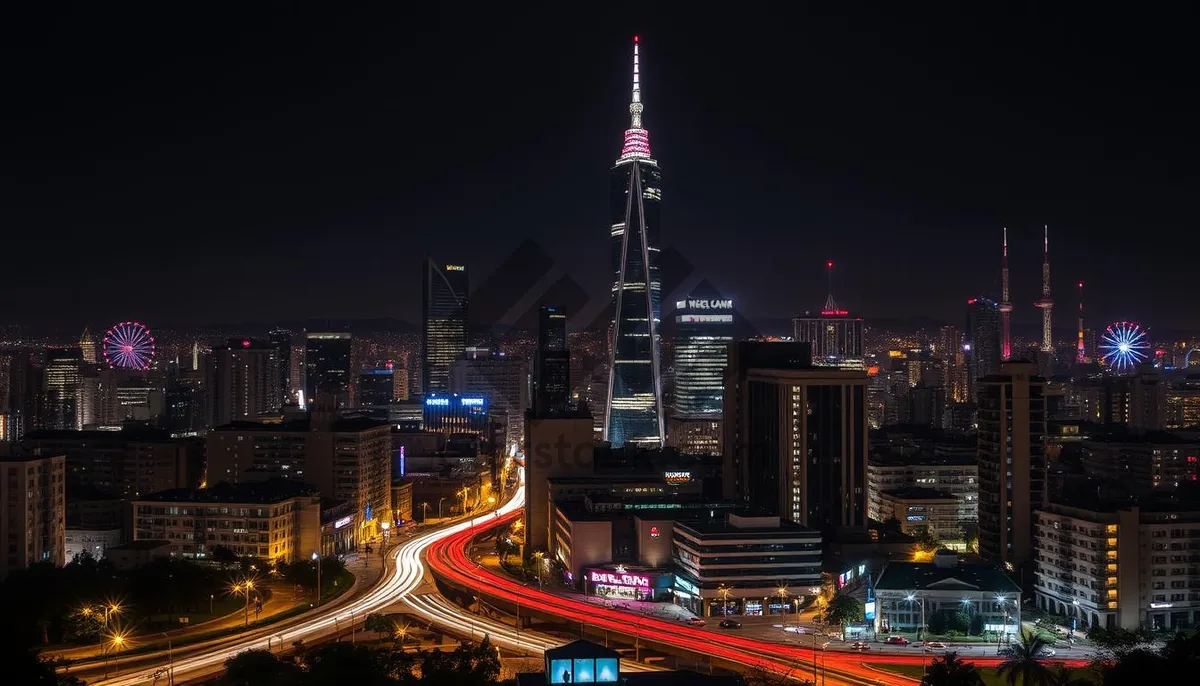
(205, 166)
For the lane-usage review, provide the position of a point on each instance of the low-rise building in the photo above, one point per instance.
(402, 501)
(916, 507)
(276, 520)
(134, 554)
(92, 541)
(740, 564)
(907, 594)
(1120, 565)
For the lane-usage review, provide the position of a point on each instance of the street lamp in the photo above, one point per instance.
(117, 641)
(724, 592)
(912, 598)
(440, 507)
(245, 588)
(317, 559)
(1003, 603)
(782, 592)
(424, 512)
(171, 660)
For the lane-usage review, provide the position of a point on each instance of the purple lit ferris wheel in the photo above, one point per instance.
(129, 345)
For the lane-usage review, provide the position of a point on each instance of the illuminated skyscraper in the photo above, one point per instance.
(445, 323)
(62, 384)
(327, 367)
(704, 330)
(634, 411)
(835, 334)
(87, 344)
(982, 343)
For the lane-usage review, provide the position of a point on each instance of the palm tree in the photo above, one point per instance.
(1024, 665)
(948, 670)
(1065, 676)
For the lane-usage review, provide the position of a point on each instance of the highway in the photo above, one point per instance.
(448, 559)
(406, 575)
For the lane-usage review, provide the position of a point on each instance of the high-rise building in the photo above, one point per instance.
(503, 380)
(795, 436)
(836, 335)
(377, 387)
(87, 345)
(954, 371)
(63, 374)
(552, 373)
(289, 382)
(982, 342)
(634, 407)
(444, 318)
(1012, 462)
(33, 499)
(327, 363)
(703, 330)
(243, 381)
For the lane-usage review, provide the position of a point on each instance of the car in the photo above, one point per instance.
(897, 641)
(860, 645)
(730, 624)
(696, 621)
(935, 645)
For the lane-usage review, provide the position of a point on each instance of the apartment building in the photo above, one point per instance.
(33, 505)
(957, 475)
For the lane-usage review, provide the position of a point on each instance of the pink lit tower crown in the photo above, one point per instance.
(1005, 305)
(1046, 304)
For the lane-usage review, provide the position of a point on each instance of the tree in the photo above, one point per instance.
(926, 540)
(1024, 663)
(259, 668)
(948, 670)
(26, 667)
(346, 663)
(1065, 676)
(976, 625)
(378, 623)
(468, 665)
(842, 610)
(938, 625)
(1117, 641)
(224, 555)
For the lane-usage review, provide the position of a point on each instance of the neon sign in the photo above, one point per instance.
(437, 402)
(342, 522)
(471, 402)
(710, 304)
(835, 313)
(677, 477)
(456, 268)
(597, 576)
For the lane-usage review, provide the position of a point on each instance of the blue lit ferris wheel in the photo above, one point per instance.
(1124, 346)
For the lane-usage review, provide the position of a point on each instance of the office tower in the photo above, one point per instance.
(503, 380)
(552, 372)
(327, 367)
(795, 436)
(982, 343)
(954, 378)
(1046, 304)
(1005, 307)
(243, 381)
(703, 330)
(836, 336)
(281, 340)
(33, 499)
(377, 387)
(444, 317)
(634, 407)
(87, 345)
(21, 388)
(62, 386)
(1012, 462)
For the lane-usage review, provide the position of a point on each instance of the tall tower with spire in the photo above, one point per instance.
(1046, 304)
(1080, 356)
(1005, 305)
(634, 411)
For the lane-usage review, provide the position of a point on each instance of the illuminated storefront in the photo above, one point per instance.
(618, 582)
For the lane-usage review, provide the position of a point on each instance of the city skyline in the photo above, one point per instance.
(902, 170)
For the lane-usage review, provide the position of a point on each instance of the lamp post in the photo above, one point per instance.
(912, 597)
(317, 558)
(724, 592)
(171, 660)
(440, 507)
(245, 588)
(1002, 602)
(424, 512)
(782, 592)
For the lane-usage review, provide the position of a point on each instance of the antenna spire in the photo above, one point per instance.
(1079, 354)
(1004, 305)
(1046, 304)
(830, 304)
(637, 139)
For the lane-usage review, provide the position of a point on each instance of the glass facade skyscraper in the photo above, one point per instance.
(634, 411)
(704, 330)
(444, 316)
(982, 343)
(327, 363)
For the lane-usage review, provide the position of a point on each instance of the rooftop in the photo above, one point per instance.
(922, 576)
(729, 527)
(919, 493)
(143, 544)
(270, 491)
(342, 425)
(922, 459)
(137, 434)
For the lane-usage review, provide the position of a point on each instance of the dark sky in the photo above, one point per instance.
(201, 164)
